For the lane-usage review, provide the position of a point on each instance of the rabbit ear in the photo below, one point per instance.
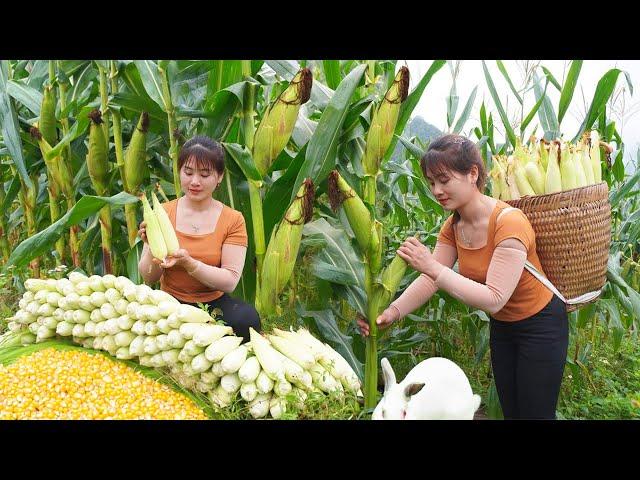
(387, 373)
(412, 389)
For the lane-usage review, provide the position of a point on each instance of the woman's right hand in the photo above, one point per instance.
(385, 319)
(142, 231)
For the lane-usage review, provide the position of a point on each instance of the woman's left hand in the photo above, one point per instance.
(181, 258)
(419, 257)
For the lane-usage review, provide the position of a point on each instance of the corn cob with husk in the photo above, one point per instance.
(54, 180)
(360, 220)
(135, 156)
(381, 130)
(276, 126)
(568, 178)
(98, 167)
(585, 159)
(47, 122)
(553, 182)
(282, 251)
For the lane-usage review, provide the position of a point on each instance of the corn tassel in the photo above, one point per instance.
(278, 121)
(154, 233)
(168, 232)
(341, 193)
(135, 164)
(282, 251)
(381, 130)
(567, 170)
(553, 181)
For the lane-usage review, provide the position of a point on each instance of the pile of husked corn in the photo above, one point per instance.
(57, 384)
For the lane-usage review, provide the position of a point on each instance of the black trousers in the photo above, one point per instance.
(236, 314)
(528, 358)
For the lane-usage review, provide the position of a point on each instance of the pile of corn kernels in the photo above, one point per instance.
(57, 384)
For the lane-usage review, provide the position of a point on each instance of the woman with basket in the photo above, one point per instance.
(491, 242)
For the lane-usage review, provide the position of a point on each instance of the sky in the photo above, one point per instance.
(626, 109)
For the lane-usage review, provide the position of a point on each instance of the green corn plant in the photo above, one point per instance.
(5, 248)
(173, 126)
(379, 288)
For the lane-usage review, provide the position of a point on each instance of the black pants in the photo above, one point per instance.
(237, 314)
(528, 358)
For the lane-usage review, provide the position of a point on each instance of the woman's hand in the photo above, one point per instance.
(419, 257)
(385, 319)
(142, 232)
(181, 258)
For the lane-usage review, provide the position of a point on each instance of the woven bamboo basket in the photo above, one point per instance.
(573, 236)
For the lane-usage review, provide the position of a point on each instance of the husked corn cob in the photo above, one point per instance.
(56, 384)
(278, 121)
(154, 234)
(168, 233)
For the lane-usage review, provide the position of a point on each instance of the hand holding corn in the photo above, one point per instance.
(419, 257)
(384, 320)
(142, 232)
(181, 258)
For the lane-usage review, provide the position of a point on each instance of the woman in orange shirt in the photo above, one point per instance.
(212, 237)
(528, 323)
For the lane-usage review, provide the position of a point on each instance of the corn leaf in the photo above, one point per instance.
(511, 136)
(11, 193)
(242, 157)
(546, 113)
(567, 90)
(9, 125)
(41, 242)
(464, 116)
(27, 96)
(321, 153)
(77, 129)
(601, 96)
(325, 323)
(150, 77)
(410, 103)
(133, 259)
(332, 73)
(551, 78)
(222, 105)
(278, 197)
(534, 110)
(503, 70)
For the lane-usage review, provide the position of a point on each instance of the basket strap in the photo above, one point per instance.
(587, 297)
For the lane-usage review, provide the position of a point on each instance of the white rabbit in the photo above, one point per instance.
(435, 389)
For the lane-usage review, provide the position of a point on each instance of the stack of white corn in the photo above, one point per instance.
(136, 322)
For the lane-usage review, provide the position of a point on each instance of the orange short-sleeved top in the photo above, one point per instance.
(530, 296)
(207, 248)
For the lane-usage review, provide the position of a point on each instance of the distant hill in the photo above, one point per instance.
(417, 127)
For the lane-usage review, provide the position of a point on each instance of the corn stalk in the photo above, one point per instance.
(67, 171)
(27, 197)
(4, 242)
(380, 285)
(171, 117)
(129, 208)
